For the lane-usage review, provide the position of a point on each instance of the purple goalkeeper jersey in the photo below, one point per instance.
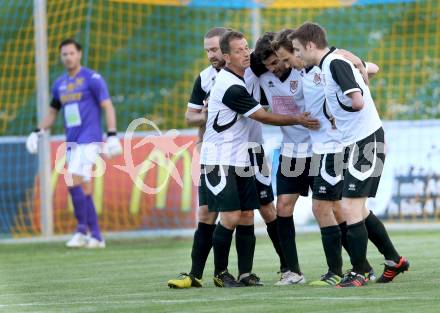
(80, 97)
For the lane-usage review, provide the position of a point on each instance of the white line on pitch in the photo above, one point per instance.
(295, 298)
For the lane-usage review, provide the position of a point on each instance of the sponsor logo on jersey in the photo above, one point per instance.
(322, 189)
(76, 96)
(70, 87)
(271, 84)
(352, 187)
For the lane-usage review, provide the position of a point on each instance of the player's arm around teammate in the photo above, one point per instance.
(229, 107)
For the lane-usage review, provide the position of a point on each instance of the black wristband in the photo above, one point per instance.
(111, 133)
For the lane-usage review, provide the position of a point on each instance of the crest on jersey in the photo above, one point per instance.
(293, 85)
(317, 79)
(79, 81)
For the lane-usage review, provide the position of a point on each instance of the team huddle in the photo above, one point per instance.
(332, 144)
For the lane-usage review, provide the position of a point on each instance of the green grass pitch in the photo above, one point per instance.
(131, 276)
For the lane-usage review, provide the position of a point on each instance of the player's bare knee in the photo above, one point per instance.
(231, 219)
(247, 218)
(345, 210)
(284, 211)
(205, 216)
(353, 206)
(316, 209)
(202, 213)
(323, 211)
(337, 212)
(212, 218)
(322, 208)
(284, 208)
(351, 212)
(268, 212)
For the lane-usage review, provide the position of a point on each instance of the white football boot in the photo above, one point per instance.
(94, 243)
(291, 278)
(77, 241)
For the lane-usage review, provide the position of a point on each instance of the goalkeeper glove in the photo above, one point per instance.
(32, 141)
(112, 146)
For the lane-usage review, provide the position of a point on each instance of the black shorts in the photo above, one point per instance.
(328, 180)
(203, 200)
(229, 188)
(293, 176)
(364, 163)
(263, 182)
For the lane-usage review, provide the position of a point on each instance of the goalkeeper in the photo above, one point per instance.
(81, 94)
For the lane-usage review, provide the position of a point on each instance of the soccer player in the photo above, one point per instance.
(326, 144)
(262, 179)
(282, 87)
(350, 102)
(81, 94)
(226, 175)
(196, 116)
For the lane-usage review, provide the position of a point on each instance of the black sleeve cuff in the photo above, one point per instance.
(56, 104)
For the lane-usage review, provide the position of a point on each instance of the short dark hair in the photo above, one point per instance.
(263, 47)
(216, 32)
(310, 32)
(226, 39)
(282, 40)
(70, 41)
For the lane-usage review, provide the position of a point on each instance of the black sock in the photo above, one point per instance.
(331, 241)
(344, 242)
(273, 235)
(343, 228)
(221, 243)
(245, 245)
(286, 233)
(357, 238)
(379, 237)
(202, 244)
(367, 266)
